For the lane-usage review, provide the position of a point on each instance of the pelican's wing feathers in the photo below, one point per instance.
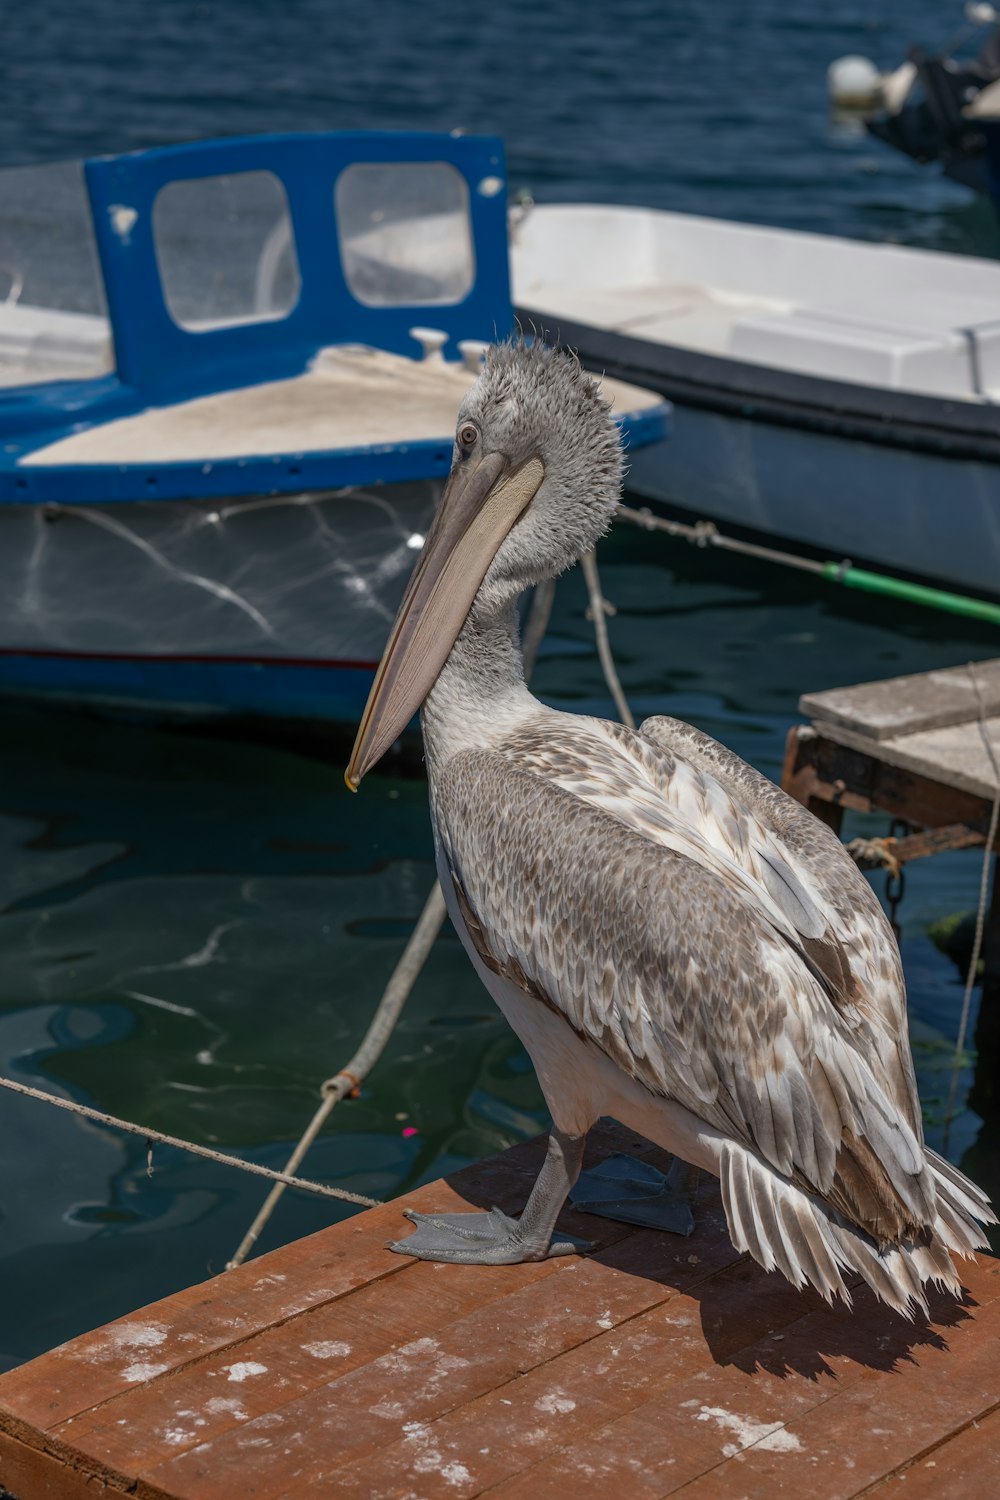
(857, 943)
(682, 963)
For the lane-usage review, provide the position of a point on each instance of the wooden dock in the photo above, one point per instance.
(915, 748)
(655, 1366)
(911, 746)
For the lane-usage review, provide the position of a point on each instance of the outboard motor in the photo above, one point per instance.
(927, 109)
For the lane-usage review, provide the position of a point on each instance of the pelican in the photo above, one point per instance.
(676, 942)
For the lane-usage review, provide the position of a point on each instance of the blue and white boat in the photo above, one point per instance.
(229, 373)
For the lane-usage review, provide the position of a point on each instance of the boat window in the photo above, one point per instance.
(405, 235)
(225, 250)
(53, 319)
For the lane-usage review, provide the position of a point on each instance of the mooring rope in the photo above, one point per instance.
(707, 534)
(222, 1157)
(599, 611)
(977, 941)
(348, 1080)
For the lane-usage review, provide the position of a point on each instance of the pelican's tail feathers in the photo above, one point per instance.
(787, 1229)
(963, 1208)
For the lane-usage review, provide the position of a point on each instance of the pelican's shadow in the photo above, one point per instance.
(750, 1318)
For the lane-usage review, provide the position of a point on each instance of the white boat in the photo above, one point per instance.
(831, 393)
(229, 375)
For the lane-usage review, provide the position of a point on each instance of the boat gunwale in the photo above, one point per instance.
(944, 426)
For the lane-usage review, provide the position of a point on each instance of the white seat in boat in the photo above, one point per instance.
(46, 343)
(831, 343)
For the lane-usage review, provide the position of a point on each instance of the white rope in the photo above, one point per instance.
(599, 611)
(348, 1080)
(977, 942)
(100, 1118)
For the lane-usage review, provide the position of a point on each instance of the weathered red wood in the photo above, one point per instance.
(416, 1383)
(152, 1424)
(221, 1314)
(213, 1316)
(562, 1402)
(867, 1430)
(726, 1411)
(657, 1364)
(31, 1472)
(966, 1467)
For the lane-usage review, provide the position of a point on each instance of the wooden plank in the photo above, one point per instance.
(219, 1315)
(953, 756)
(655, 1364)
(296, 1446)
(961, 1468)
(730, 1416)
(152, 1424)
(31, 1472)
(908, 705)
(203, 1319)
(562, 1402)
(818, 769)
(133, 1357)
(865, 1431)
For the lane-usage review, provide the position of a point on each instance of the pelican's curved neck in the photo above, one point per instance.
(481, 691)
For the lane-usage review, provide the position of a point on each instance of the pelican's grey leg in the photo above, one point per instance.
(635, 1193)
(494, 1238)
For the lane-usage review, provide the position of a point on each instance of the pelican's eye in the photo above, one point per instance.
(468, 435)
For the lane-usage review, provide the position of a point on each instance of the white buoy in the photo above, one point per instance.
(854, 83)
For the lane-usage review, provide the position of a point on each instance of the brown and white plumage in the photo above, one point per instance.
(677, 943)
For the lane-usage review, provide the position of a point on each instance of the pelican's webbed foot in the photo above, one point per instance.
(489, 1239)
(633, 1192)
(496, 1239)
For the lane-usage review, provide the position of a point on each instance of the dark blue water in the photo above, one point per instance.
(193, 932)
(717, 108)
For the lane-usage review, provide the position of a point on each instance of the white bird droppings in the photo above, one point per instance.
(328, 1349)
(455, 1473)
(137, 1336)
(391, 1410)
(606, 1320)
(243, 1368)
(228, 1404)
(555, 1404)
(419, 1346)
(749, 1434)
(427, 1462)
(138, 1371)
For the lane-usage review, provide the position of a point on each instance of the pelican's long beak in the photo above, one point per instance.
(480, 504)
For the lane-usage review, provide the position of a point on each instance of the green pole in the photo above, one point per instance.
(913, 593)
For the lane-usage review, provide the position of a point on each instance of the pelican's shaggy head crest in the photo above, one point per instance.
(533, 400)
